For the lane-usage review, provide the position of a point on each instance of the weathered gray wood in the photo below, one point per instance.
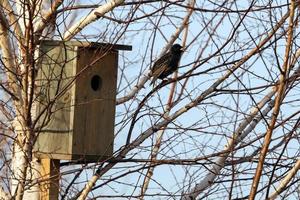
(55, 73)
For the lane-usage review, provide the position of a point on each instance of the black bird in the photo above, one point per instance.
(167, 64)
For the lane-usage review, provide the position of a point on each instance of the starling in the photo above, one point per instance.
(167, 64)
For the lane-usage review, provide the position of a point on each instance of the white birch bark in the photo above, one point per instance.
(22, 165)
(93, 16)
(45, 25)
(19, 163)
(25, 174)
(4, 195)
(12, 19)
(18, 159)
(23, 12)
(285, 181)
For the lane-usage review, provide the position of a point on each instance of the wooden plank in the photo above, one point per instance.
(50, 179)
(95, 109)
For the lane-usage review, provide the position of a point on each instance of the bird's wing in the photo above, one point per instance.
(160, 66)
(161, 61)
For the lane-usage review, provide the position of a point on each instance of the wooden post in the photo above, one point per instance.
(50, 179)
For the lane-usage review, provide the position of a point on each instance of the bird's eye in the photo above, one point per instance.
(96, 82)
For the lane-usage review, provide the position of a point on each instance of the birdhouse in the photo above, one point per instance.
(75, 100)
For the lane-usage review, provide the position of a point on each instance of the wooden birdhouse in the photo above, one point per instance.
(75, 100)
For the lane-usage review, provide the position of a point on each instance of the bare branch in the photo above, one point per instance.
(291, 174)
(93, 16)
(278, 100)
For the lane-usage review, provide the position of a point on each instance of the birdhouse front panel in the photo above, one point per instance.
(95, 101)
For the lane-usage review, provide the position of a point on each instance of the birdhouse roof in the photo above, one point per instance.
(87, 44)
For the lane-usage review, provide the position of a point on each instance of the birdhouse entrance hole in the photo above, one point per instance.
(96, 82)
